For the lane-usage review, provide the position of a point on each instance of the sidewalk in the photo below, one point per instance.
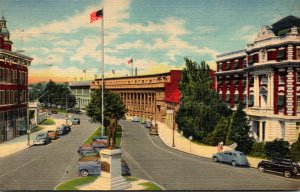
(21, 143)
(185, 145)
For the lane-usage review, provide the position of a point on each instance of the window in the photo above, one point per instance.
(298, 104)
(250, 60)
(281, 101)
(298, 76)
(236, 65)
(228, 66)
(280, 55)
(298, 128)
(298, 53)
(236, 99)
(251, 101)
(227, 98)
(281, 78)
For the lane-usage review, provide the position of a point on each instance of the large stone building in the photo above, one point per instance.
(148, 96)
(266, 76)
(13, 88)
(81, 91)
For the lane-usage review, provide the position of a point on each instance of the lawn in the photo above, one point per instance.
(72, 184)
(48, 122)
(150, 186)
(36, 128)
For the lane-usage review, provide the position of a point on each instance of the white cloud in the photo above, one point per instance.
(204, 29)
(52, 59)
(64, 43)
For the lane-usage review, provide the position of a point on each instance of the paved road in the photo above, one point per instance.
(43, 167)
(148, 158)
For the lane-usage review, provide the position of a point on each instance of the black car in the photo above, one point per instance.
(63, 130)
(285, 166)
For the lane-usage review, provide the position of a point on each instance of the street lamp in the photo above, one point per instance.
(190, 138)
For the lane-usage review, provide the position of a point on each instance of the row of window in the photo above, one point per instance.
(156, 79)
(13, 97)
(262, 56)
(80, 91)
(13, 76)
(280, 102)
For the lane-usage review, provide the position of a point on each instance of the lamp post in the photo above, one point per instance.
(174, 115)
(190, 138)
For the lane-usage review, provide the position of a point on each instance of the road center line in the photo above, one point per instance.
(20, 166)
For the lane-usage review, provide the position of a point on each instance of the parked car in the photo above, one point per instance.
(89, 153)
(85, 147)
(75, 121)
(68, 128)
(42, 139)
(89, 168)
(53, 134)
(62, 130)
(285, 166)
(232, 156)
(148, 123)
(135, 119)
(97, 138)
(98, 144)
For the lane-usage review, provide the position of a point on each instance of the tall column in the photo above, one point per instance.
(270, 91)
(133, 103)
(290, 91)
(144, 98)
(290, 52)
(256, 91)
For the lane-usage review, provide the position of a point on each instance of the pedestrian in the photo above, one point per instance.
(220, 147)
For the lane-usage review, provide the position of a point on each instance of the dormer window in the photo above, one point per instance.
(280, 55)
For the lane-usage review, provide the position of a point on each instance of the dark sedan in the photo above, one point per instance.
(287, 167)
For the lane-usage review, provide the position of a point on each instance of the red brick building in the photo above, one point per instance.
(13, 88)
(266, 76)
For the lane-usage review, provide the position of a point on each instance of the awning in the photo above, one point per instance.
(251, 101)
(227, 98)
(280, 102)
(280, 54)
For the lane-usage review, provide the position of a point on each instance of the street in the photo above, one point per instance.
(148, 158)
(43, 167)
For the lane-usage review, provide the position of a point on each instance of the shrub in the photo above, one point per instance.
(219, 133)
(258, 149)
(277, 149)
(295, 150)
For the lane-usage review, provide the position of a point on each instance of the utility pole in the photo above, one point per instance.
(66, 109)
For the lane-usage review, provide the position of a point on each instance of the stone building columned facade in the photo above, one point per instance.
(148, 96)
(266, 77)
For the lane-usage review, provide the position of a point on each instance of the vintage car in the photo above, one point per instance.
(98, 144)
(89, 153)
(68, 128)
(53, 134)
(231, 156)
(62, 130)
(42, 139)
(75, 121)
(135, 119)
(97, 138)
(85, 147)
(148, 123)
(89, 167)
(287, 167)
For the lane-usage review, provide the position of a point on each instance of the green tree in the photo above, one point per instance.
(58, 94)
(200, 107)
(112, 105)
(219, 133)
(239, 131)
(295, 150)
(36, 90)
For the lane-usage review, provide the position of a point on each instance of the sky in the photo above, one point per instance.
(157, 34)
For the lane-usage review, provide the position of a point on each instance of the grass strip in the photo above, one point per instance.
(48, 122)
(150, 186)
(129, 178)
(71, 185)
(36, 128)
(96, 133)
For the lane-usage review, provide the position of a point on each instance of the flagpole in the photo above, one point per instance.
(102, 112)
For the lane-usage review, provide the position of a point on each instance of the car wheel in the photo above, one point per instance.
(215, 159)
(84, 173)
(287, 174)
(261, 168)
(233, 163)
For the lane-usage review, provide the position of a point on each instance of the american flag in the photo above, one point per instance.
(96, 15)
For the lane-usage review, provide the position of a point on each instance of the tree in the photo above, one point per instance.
(36, 90)
(58, 94)
(200, 108)
(239, 131)
(112, 105)
(295, 150)
(219, 133)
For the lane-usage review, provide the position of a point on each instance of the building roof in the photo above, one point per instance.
(286, 23)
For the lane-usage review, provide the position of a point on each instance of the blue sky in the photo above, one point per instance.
(157, 34)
